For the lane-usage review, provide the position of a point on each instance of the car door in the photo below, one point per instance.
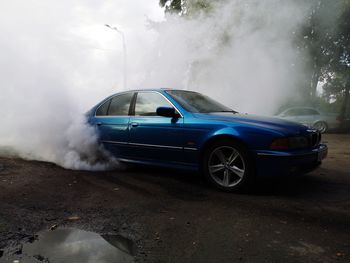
(155, 137)
(314, 116)
(291, 115)
(306, 116)
(112, 123)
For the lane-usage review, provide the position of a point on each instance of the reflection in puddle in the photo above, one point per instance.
(73, 245)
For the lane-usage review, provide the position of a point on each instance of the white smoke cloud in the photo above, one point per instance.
(58, 60)
(241, 53)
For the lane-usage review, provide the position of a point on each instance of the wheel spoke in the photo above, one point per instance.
(237, 171)
(226, 179)
(217, 167)
(233, 157)
(221, 156)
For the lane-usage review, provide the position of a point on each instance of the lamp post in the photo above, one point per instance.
(124, 54)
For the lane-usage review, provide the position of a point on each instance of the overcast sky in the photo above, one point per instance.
(68, 39)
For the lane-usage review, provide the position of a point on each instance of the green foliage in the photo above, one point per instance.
(186, 7)
(324, 39)
(336, 74)
(172, 6)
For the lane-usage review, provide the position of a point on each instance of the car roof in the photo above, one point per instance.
(155, 89)
(151, 89)
(134, 90)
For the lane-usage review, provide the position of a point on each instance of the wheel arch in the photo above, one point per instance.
(220, 137)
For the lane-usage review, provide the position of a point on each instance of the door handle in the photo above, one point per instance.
(98, 123)
(134, 124)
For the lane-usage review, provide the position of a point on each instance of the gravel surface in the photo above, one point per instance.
(174, 216)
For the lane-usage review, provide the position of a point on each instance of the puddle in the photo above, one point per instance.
(73, 245)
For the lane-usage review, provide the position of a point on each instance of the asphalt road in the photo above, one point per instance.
(174, 216)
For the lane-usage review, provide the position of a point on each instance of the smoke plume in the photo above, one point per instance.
(59, 59)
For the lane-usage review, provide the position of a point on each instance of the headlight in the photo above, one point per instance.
(298, 142)
(289, 143)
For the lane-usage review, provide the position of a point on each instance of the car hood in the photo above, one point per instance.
(276, 124)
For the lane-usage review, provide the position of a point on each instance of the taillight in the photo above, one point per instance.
(339, 118)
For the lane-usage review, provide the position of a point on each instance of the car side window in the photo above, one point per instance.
(286, 113)
(306, 112)
(102, 110)
(291, 112)
(300, 112)
(148, 102)
(312, 112)
(120, 105)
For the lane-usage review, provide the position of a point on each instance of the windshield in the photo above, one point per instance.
(196, 102)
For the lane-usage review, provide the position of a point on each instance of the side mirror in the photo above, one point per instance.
(167, 112)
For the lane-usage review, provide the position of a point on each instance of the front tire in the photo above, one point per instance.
(227, 165)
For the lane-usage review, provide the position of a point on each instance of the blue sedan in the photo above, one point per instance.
(186, 129)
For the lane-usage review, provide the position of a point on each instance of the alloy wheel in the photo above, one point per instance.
(321, 126)
(226, 166)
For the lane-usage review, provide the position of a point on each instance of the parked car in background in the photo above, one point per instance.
(188, 130)
(312, 118)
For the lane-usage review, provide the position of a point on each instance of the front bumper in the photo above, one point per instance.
(278, 163)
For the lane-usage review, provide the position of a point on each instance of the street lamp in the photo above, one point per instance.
(124, 54)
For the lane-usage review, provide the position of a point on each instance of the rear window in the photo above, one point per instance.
(102, 110)
(117, 106)
(120, 105)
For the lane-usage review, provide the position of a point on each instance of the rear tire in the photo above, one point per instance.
(227, 165)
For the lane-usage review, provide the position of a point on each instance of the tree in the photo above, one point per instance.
(336, 74)
(316, 40)
(172, 6)
(186, 7)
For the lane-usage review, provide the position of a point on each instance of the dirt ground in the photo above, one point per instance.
(173, 216)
